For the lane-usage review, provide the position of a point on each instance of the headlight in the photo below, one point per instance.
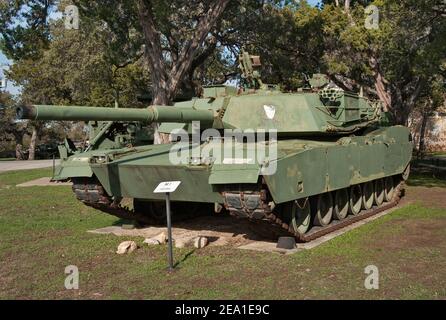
(99, 159)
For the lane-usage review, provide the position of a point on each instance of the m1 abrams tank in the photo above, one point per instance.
(309, 162)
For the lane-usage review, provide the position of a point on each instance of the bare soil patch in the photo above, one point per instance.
(417, 233)
(220, 229)
(225, 230)
(429, 197)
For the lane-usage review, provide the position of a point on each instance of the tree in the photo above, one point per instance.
(175, 37)
(287, 37)
(393, 62)
(167, 76)
(180, 42)
(24, 27)
(432, 97)
(11, 133)
(73, 70)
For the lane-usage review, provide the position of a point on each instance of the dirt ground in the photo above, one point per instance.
(429, 197)
(219, 229)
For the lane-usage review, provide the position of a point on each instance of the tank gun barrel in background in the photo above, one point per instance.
(148, 115)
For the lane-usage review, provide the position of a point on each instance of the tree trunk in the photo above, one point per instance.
(18, 136)
(400, 112)
(19, 152)
(347, 6)
(404, 98)
(166, 79)
(422, 145)
(160, 98)
(380, 84)
(32, 145)
(382, 92)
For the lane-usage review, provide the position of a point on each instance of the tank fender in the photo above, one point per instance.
(234, 173)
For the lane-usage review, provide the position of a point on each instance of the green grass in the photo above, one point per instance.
(12, 178)
(438, 153)
(426, 180)
(7, 159)
(43, 230)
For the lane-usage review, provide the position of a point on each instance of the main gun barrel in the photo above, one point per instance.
(147, 115)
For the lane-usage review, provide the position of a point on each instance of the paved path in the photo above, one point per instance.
(24, 165)
(43, 182)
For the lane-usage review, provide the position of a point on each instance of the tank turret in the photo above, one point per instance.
(326, 109)
(330, 111)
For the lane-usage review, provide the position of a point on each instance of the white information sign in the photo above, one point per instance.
(167, 187)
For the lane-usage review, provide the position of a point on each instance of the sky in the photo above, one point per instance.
(14, 90)
(3, 62)
(313, 2)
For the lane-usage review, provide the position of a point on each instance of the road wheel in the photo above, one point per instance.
(406, 173)
(341, 204)
(355, 202)
(300, 215)
(389, 189)
(379, 192)
(323, 209)
(367, 195)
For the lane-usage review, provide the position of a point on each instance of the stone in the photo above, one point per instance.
(200, 242)
(197, 242)
(287, 243)
(151, 241)
(126, 247)
(162, 237)
(182, 243)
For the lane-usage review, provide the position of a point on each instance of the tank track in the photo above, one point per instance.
(243, 210)
(90, 192)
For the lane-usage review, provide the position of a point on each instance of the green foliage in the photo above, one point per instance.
(178, 36)
(10, 132)
(287, 36)
(24, 27)
(119, 32)
(74, 70)
(403, 55)
(402, 62)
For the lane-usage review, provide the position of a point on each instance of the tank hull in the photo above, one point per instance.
(303, 168)
(349, 161)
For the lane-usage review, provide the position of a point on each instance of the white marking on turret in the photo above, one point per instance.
(270, 111)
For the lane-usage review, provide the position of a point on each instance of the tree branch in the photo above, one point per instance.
(152, 42)
(186, 55)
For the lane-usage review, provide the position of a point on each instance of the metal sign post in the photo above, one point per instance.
(167, 188)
